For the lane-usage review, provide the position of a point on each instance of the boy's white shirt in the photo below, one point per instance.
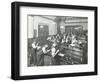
(44, 50)
(33, 45)
(53, 51)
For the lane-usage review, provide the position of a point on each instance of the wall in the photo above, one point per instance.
(34, 21)
(5, 41)
(76, 22)
(30, 26)
(51, 24)
(84, 25)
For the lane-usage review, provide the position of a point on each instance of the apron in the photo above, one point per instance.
(55, 59)
(40, 58)
(33, 56)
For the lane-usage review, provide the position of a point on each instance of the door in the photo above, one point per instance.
(43, 31)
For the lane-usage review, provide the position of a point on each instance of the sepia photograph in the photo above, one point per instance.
(57, 40)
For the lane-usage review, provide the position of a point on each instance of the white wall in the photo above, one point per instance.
(82, 22)
(51, 25)
(5, 41)
(34, 21)
(30, 26)
(85, 25)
